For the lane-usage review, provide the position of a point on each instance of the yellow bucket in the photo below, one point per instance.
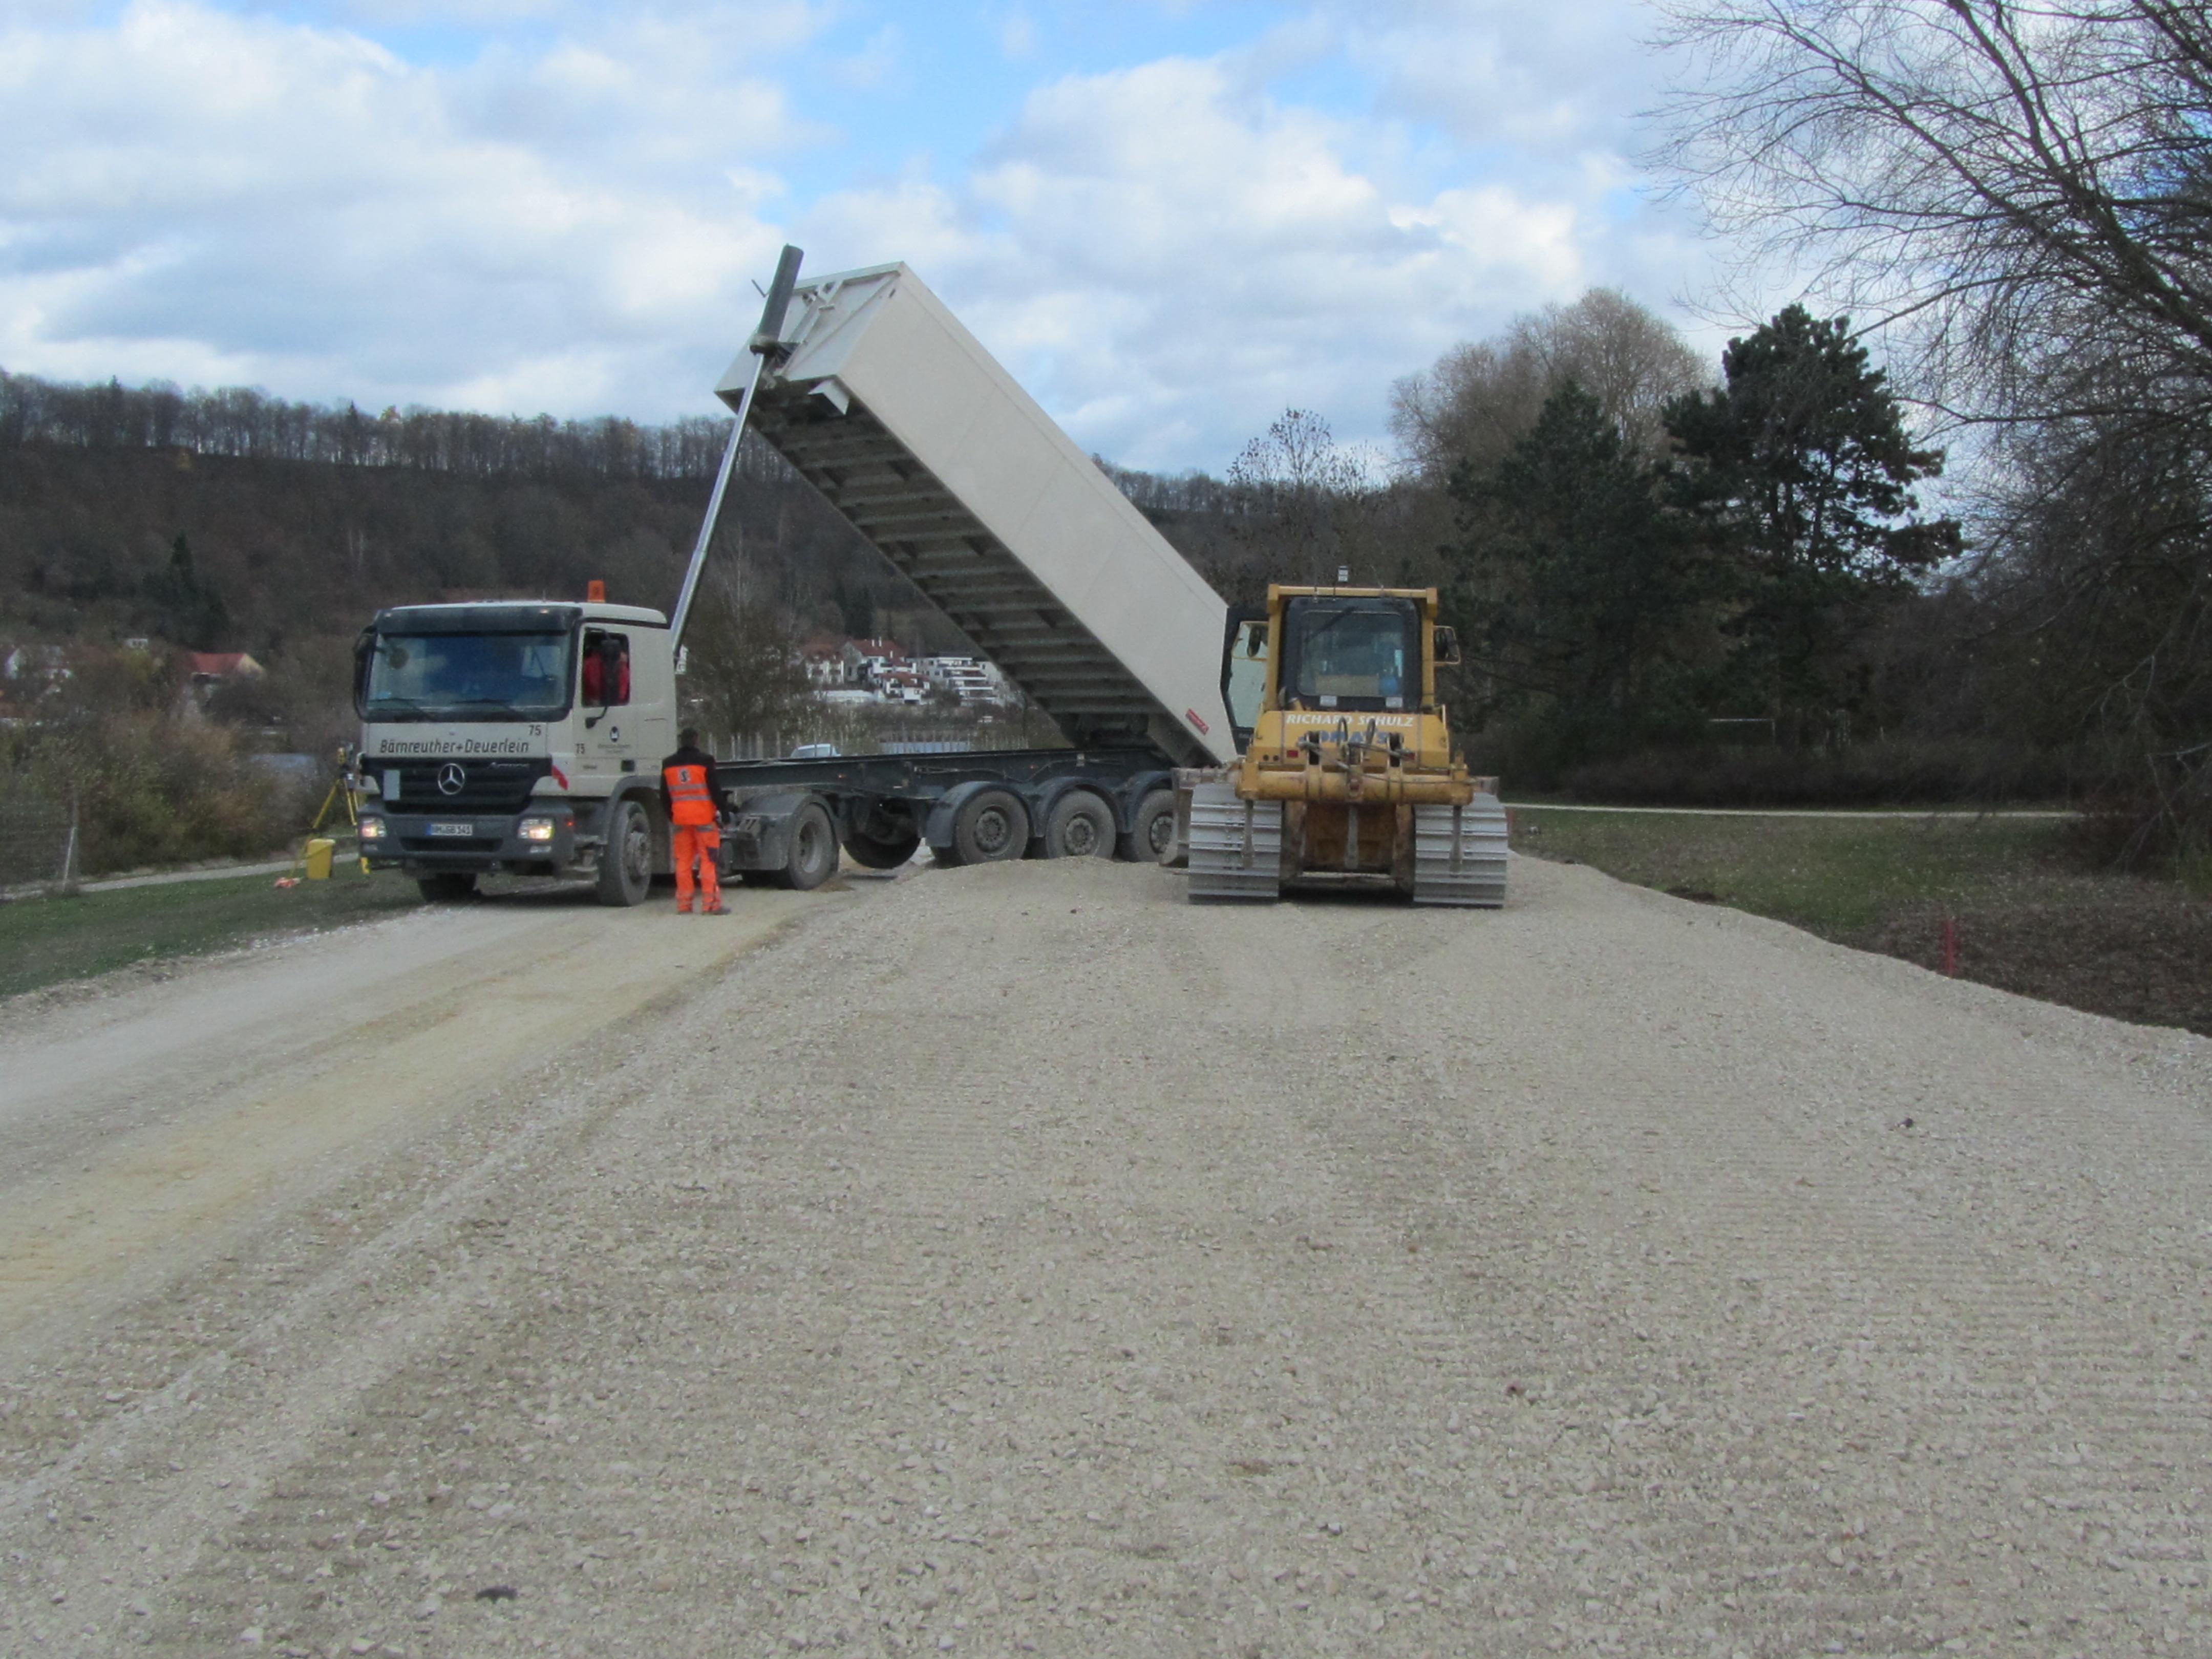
(318, 852)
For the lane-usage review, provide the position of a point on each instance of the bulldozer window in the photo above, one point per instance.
(1351, 654)
(1247, 685)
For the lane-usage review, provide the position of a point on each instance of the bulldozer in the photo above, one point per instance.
(1346, 775)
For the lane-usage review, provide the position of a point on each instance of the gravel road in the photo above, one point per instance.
(1017, 1258)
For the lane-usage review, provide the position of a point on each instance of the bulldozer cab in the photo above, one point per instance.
(1333, 651)
(1351, 653)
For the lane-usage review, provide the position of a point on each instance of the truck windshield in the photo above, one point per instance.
(485, 677)
(1350, 653)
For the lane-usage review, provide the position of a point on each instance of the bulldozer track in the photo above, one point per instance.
(1459, 854)
(1236, 846)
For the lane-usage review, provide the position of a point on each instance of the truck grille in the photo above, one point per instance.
(486, 786)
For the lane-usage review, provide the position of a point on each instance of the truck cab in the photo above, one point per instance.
(521, 737)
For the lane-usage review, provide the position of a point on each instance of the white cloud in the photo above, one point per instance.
(567, 211)
(877, 65)
(1168, 258)
(1017, 36)
(209, 195)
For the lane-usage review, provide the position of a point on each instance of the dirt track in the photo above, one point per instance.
(1016, 1257)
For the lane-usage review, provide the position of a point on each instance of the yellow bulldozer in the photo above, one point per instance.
(1347, 775)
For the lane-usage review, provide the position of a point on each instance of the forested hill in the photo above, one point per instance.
(232, 520)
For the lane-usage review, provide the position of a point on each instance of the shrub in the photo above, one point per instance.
(152, 789)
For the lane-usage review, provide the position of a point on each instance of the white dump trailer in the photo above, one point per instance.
(523, 737)
(874, 391)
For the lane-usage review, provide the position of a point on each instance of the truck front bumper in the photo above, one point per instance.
(535, 843)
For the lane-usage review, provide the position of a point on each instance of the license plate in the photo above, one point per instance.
(468, 829)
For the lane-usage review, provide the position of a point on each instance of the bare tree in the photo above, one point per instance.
(1299, 502)
(2022, 194)
(744, 674)
(2025, 191)
(1480, 398)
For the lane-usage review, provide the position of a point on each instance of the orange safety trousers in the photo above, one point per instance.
(688, 843)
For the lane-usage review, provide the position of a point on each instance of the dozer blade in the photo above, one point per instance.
(1236, 846)
(1459, 854)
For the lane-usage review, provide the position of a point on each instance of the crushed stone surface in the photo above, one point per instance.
(1020, 1260)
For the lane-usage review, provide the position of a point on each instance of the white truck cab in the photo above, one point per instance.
(520, 737)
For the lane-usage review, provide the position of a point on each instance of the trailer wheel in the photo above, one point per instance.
(449, 887)
(626, 861)
(1079, 826)
(873, 853)
(1152, 829)
(813, 849)
(992, 824)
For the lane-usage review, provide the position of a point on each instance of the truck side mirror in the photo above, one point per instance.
(1447, 649)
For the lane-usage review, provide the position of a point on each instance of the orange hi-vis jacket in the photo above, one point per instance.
(690, 800)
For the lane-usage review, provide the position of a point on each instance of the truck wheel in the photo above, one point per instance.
(991, 825)
(813, 849)
(449, 888)
(872, 854)
(1079, 826)
(1151, 829)
(626, 861)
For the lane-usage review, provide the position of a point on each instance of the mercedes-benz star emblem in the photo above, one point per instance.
(450, 777)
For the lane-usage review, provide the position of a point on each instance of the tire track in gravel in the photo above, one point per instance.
(1862, 1327)
(134, 1451)
(1030, 1261)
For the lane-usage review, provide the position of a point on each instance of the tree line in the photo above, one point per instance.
(1638, 553)
(2016, 199)
(246, 423)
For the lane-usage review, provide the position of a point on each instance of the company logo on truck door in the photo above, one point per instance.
(440, 742)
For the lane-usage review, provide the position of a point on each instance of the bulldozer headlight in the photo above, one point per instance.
(536, 829)
(372, 829)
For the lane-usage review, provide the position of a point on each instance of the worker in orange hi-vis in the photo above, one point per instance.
(691, 795)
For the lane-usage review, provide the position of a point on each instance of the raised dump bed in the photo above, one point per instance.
(914, 432)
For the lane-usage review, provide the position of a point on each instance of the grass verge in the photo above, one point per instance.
(2028, 917)
(43, 941)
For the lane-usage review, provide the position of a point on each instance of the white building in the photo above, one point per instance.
(971, 679)
(866, 661)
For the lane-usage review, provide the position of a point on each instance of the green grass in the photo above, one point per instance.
(43, 941)
(1839, 877)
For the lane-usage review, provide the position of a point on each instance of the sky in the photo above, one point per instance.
(1171, 219)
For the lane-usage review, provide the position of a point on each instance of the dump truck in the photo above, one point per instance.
(525, 737)
(1347, 775)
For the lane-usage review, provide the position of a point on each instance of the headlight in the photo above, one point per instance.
(535, 829)
(372, 829)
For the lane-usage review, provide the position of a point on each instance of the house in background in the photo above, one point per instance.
(975, 682)
(866, 661)
(207, 671)
(824, 662)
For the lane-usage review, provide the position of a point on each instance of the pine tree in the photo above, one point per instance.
(1801, 472)
(1569, 584)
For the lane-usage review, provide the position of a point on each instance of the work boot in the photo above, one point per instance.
(683, 909)
(715, 908)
